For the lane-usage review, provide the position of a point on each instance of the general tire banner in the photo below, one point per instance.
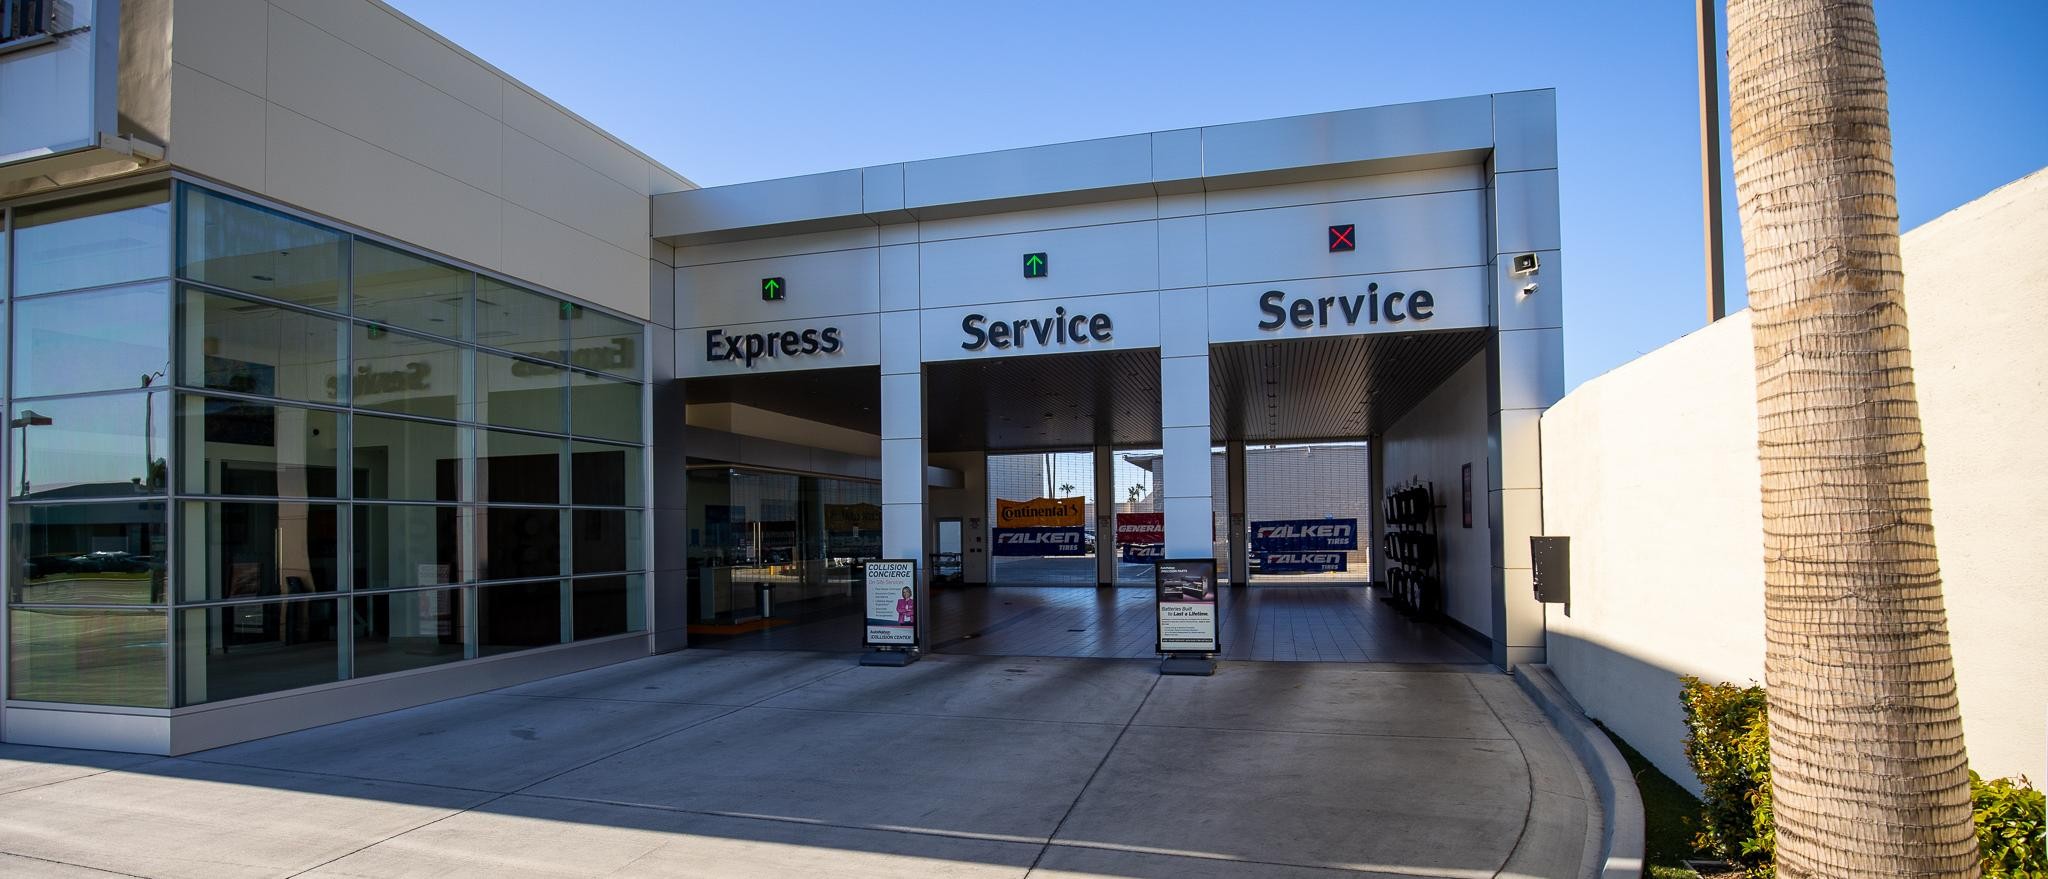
(891, 603)
(1141, 527)
(1185, 603)
(1041, 512)
(1301, 562)
(1041, 541)
(1304, 535)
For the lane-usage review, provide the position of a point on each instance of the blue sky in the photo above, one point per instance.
(733, 91)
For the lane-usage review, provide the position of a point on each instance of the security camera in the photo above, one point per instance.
(1529, 289)
(1525, 264)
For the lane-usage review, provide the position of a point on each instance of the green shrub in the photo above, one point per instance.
(1728, 743)
(2010, 827)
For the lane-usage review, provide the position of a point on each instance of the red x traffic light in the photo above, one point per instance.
(1341, 238)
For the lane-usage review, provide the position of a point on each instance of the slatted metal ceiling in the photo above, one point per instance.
(1335, 387)
(1045, 402)
(1332, 387)
(849, 398)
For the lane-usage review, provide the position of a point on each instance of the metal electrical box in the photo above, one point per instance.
(1552, 561)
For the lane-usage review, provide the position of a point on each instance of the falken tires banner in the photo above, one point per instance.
(1304, 535)
(1068, 541)
(1301, 562)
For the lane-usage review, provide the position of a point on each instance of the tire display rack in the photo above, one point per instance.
(1412, 549)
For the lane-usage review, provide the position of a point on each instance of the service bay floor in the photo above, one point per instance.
(771, 764)
(1315, 623)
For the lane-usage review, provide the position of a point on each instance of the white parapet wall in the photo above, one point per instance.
(1651, 470)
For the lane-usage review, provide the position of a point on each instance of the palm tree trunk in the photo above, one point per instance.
(1868, 772)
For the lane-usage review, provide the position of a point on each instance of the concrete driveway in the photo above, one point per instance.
(710, 763)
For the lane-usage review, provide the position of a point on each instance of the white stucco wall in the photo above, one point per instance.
(1433, 442)
(350, 109)
(1651, 470)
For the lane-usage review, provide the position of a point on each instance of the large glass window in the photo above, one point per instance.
(103, 340)
(406, 630)
(607, 606)
(602, 474)
(402, 459)
(518, 320)
(246, 649)
(111, 553)
(400, 545)
(104, 446)
(604, 408)
(516, 468)
(395, 287)
(89, 656)
(602, 343)
(239, 447)
(518, 616)
(92, 243)
(234, 549)
(233, 244)
(519, 542)
(604, 541)
(247, 347)
(401, 372)
(520, 393)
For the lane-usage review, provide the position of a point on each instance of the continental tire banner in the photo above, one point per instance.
(1041, 512)
(1041, 541)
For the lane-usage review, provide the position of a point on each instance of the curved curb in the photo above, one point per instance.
(1621, 805)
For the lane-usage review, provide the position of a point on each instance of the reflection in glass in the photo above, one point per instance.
(234, 549)
(107, 240)
(250, 348)
(602, 343)
(604, 541)
(395, 287)
(516, 468)
(238, 447)
(401, 459)
(104, 340)
(247, 649)
(604, 475)
(407, 545)
(88, 553)
(520, 393)
(519, 542)
(106, 446)
(604, 408)
(607, 606)
(406, 630)
(239, 246)
(518, 616)
(803, 537)
(93, 657)
(400, 372)
(518, 320)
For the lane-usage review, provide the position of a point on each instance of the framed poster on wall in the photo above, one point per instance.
(1465, 476)
(1184, 599)
(891, 608)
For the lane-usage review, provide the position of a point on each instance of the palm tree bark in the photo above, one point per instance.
(1869, 776)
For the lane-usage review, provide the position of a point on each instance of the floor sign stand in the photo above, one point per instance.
(891, 611)
(1184, 606)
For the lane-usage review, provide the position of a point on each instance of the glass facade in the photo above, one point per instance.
(772, 548)
(249, 453)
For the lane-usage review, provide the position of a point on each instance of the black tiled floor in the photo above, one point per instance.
(1277, 623)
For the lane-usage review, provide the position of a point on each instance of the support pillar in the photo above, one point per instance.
(1376, 513)
(1105, 517)
(905, 526)
(668, 475)
(1234, 483)
(1184, 429)
(1524, 366)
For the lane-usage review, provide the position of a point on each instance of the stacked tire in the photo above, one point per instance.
(1410, 547)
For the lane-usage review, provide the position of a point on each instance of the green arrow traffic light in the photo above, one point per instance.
(771, 289)
(1034, 265)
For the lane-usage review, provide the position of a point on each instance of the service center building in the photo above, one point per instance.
(317, 410)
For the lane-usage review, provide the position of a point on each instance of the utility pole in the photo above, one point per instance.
(1710, 156)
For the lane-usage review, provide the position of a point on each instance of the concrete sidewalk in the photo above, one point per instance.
(709, 763)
